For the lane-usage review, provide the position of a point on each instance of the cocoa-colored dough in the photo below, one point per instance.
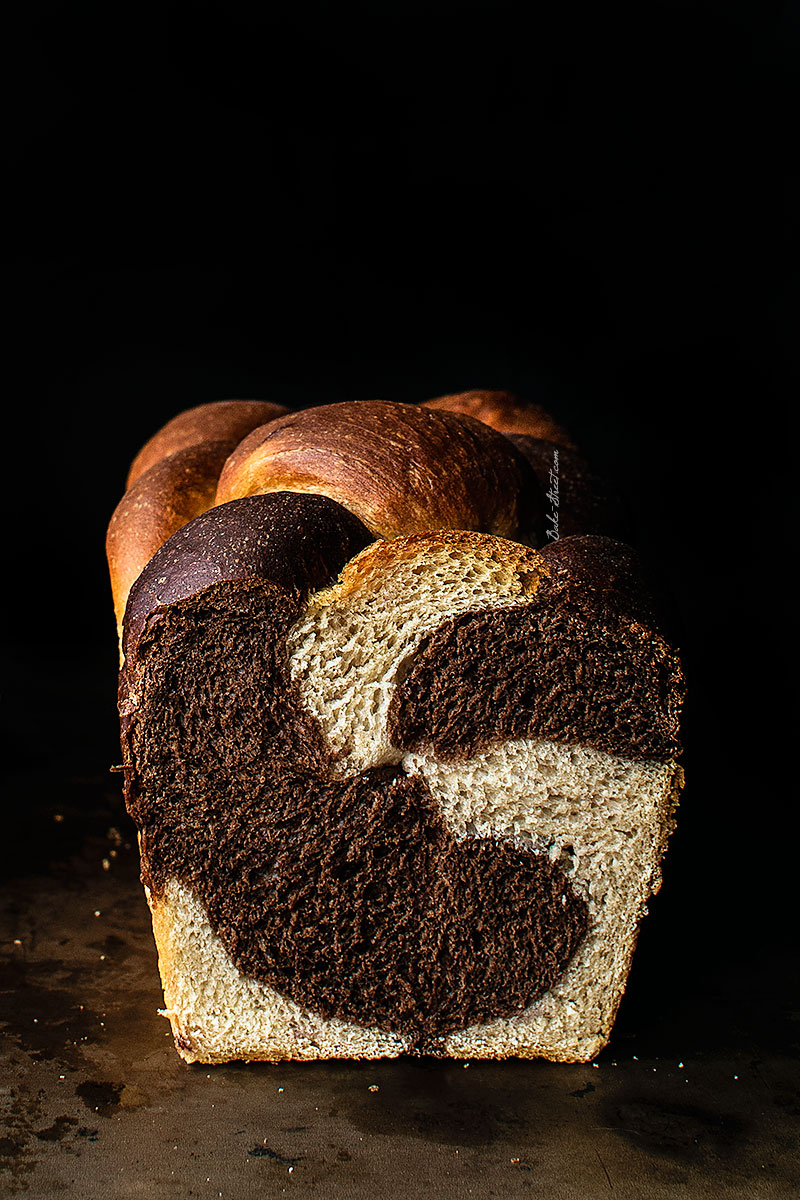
(581, 663)
(563, 678)
(350, 896)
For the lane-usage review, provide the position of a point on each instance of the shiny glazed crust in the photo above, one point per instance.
(505, 412)
(219, 421)
(166, 497)
(398, 467)
(172, 480)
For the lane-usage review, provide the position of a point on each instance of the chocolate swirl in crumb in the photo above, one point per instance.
(351, 896)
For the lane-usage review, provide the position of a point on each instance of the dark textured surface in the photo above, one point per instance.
(577, 500)
(583, 663)
(350, 896)
(170, 493)
(563, 677)
(604, 576)
(298, 542)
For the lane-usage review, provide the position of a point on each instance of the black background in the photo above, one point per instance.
(398, 200)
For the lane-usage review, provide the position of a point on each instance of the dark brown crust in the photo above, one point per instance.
(349, 896)
(300, 543)
(602, 576)
(172, 492)
(399, 468)
(505, 412)
(577, 500)
(219, 421)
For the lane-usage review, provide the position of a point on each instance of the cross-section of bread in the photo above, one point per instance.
(406, 795)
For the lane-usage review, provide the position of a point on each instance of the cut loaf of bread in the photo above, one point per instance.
(404, 795)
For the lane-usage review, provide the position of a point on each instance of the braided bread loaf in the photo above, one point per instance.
(403, 766)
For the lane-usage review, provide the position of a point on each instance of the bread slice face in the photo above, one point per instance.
(623, 814)
(420, 809)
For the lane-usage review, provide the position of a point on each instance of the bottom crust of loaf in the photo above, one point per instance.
(219, 1015)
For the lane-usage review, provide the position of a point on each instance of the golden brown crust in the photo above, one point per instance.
(525, 566)
(505, 412)
(399, 468)
(220, 421)
(172, 492)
